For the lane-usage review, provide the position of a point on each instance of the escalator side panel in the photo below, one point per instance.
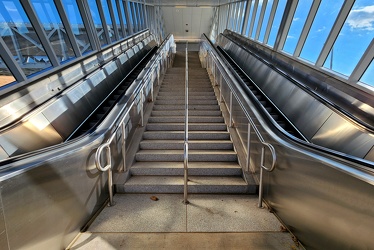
(31, 135)
(317, 112)
(337, 133)
(70, 110)
(317, 121)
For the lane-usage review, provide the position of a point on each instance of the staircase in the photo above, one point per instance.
(213, 163)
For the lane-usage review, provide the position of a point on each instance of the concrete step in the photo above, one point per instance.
(181, 93)
(191, 127)
(192, 135)
(193, 155)
(173, 88)
(190, 102)
(194, 168)
(174, 119)
(192, 144)
(190, 113)
(196, 184)
(181, 97)
(182, 107)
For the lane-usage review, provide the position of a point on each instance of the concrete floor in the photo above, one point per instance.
(209, 221)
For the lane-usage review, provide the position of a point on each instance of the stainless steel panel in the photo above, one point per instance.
(112, 73)
(339, 134)
(3, 154)
(69, 111)
(300, 103)
(122, 59)
(370, 155)
(319, 197)
(3, 233)
(100, 88)
(90, 64)
(106, 55)
(33, 134)
(46, 205)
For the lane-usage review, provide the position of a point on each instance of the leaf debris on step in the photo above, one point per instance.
(154, 198)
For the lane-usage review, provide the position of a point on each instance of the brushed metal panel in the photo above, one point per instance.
(3, 233)
(370, 155)
(306, 113)
(112, 74)
(69, 111)
(320, 203)
(46, 205)
(33, 134)
(122, 59)
(339, 134)
(90, 64)
(3, 154)
(100, 88)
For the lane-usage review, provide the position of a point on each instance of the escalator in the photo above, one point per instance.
(104, 108)
(262, 100)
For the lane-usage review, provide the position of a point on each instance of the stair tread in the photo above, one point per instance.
(191, 165)
(190, 152)
(193, 180)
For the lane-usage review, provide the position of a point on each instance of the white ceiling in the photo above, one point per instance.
(187, 23)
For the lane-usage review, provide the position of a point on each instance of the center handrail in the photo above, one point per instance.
(185, 153)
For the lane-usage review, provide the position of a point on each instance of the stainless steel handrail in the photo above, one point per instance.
(221, 67)
(185, 153)
(144, 83)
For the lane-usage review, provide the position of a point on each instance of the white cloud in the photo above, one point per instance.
(290, 37)
(321, 29)
(362, 18)
(295, 19)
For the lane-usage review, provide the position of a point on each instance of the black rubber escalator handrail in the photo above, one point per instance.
(322, 99)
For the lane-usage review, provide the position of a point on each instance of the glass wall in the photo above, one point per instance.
(42, 34)
(54, 29)
(21, 39)
(329, 35)
(76, 22)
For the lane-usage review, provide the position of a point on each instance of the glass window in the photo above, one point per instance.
(122, 13)
(258, 11)
(108, 20)
(97, 21)
(21, 39)
(139, 15)
(132, 17)
(353, 39)
(276, 22)
(77, 25)
(368, 76)
(297, 25)
(5, 74)
(266, 20)
(249, 18)
(321, 27)
(115, 11)
(240, 23)
(53, 27)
